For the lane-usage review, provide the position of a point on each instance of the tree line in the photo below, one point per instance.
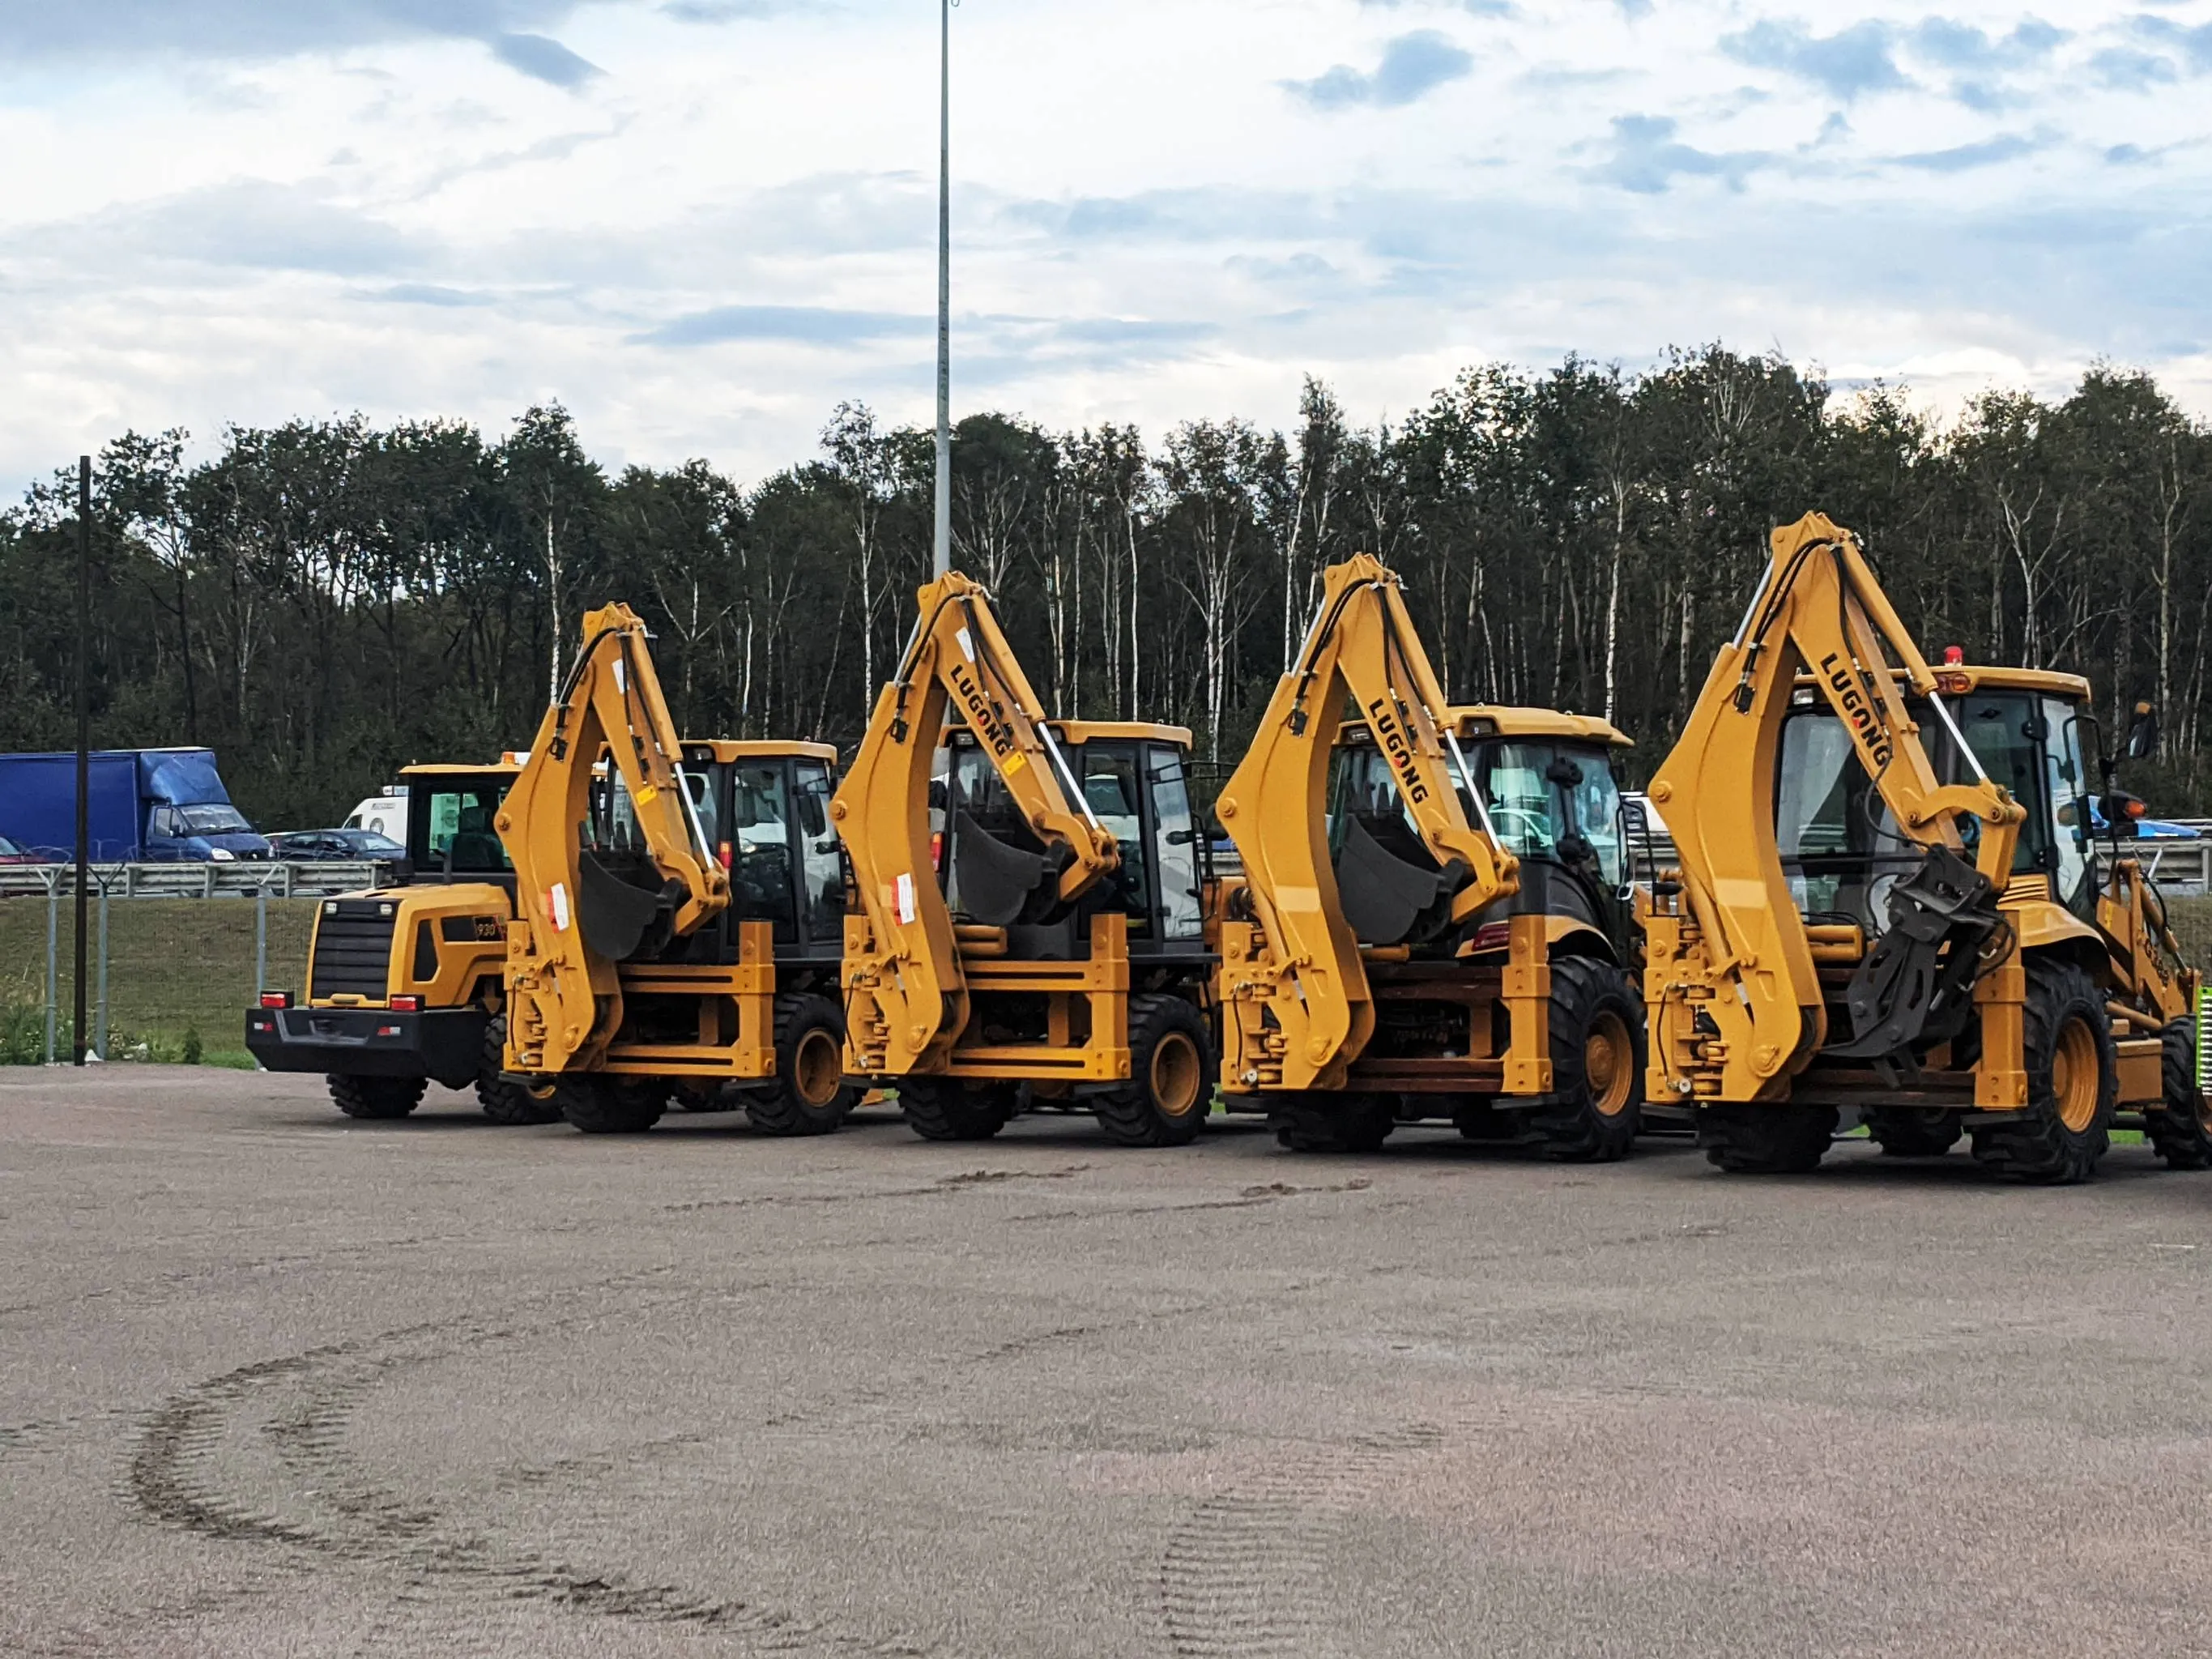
(323, 601)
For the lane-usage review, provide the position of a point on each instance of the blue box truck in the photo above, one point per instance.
(144, 804)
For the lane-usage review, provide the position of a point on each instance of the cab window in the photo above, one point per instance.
(458, 820)
(1175, 851)
(759, 834)
(1111, 777)
(823, 899)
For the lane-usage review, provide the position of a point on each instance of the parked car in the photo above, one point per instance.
(340, 846)
(11, 854)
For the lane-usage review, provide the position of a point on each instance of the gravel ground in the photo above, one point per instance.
(279, 1383)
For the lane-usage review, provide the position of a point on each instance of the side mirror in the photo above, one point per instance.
(1633, 819)
(2142, 733)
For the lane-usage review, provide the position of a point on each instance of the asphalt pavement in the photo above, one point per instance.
(274, 1382)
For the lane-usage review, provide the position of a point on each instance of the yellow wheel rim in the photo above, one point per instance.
(1178, 1077)
(1609, 1063)
(818, 1068)
(2074, 1080)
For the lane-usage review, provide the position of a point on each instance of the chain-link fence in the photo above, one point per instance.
(180, 973)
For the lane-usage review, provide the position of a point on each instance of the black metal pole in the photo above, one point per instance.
(83, 725)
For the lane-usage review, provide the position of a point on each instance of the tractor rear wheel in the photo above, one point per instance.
(1788, 1138)
(377, 1096)
(1312, 1121)
(1915, 1131)
(601, 1105)
(510, 1103)
(1172, 1068)
(1597, 1064)
(809, 1095)
(2182, 1133)
(945, 1109)
(2073, 1083)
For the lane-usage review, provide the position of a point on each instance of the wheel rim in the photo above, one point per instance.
(2075, 1083)
(1177, 1076)
(1609, 1063)
(818, 1067)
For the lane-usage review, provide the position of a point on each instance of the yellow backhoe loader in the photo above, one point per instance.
(405, 983)
(1379, 963)
(1886, 903)
(678, 910)
(1029, 923)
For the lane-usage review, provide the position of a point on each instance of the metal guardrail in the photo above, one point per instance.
(274, 879)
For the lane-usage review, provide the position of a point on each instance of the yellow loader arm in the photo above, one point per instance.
(901, 947)
(1750, 1013)
(575, 919)
(1361, 645)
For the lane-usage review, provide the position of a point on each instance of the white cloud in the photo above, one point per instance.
(703, 222)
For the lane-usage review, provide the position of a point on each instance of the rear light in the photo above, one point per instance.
(387, 1031)
(937, 849)
(722, 852)
(275, 999)
(406, 1004)
(1492, 936)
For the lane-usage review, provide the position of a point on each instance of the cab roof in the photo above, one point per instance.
(730, 749)
(1486, 719)
(1963, 679)
(1081, 732)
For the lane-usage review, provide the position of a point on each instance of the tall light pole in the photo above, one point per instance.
(941, 557)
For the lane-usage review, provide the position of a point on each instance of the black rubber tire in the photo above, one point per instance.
(1788, 1138)
(1317, 1121)
(945, 1109)
(504, 1102)
(595, 1104)
(1915, 1131)
(1592, 1002)
(798, 1102)
(2180, 1134)
(376, 1097)
(1170, 1048)
(2036, 1145)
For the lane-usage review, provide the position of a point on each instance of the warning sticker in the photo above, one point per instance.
(907, 908)
(560, 905)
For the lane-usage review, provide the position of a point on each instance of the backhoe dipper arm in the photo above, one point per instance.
(575, 919)
(909, 960)
(1819, 607)
(1362, 644)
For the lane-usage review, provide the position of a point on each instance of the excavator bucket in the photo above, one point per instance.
(615, 915)
(998, 883)
(1386, 900)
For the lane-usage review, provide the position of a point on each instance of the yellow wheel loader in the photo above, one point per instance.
(405, 984)
(1886, 905)
(678, 911)
(1028, 926)
(1414, 936)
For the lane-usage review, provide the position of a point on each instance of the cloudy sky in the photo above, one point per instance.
(701, 223)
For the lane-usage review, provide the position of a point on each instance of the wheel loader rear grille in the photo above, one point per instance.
(353, 956)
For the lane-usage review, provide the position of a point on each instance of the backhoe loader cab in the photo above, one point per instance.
(1549, 792)
(1133, 778)
(1028, 928)
(403, 983)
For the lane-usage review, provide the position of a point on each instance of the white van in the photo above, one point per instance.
(386, 814)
